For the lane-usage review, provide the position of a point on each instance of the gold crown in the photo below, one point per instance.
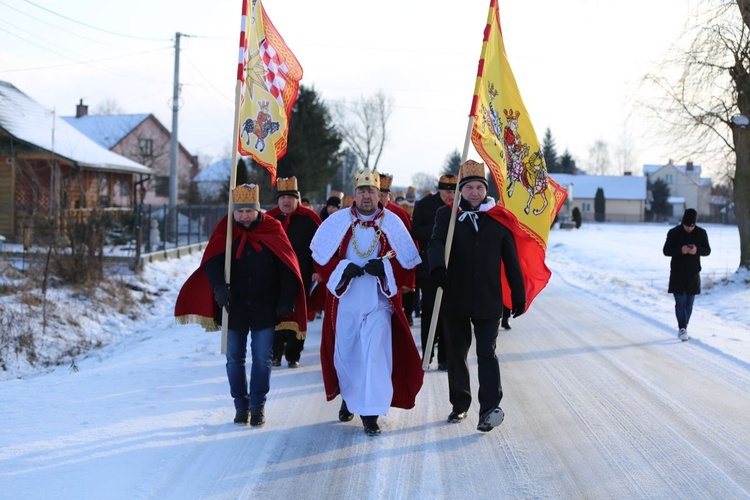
(385, 182)
(347, 201)
(447, 179)
(470, 171)
(398, 194)
(367, 177)
(286, 184)
(246, 194)
(337, 194)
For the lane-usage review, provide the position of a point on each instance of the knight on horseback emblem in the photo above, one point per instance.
(529, 170)
(261, 127)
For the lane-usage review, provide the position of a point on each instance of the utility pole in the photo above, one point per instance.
(175, 111)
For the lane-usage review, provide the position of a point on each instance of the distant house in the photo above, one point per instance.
(625, 196)
(142, 138)
(213, 180)
(687, 188)
(47, 166)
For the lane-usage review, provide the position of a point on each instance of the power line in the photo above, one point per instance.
(133, 37)
(37, 19)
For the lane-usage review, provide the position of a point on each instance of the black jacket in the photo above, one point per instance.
(423, 220)
(259, 283)
(684, 273)
(473, 281)
(300, 232)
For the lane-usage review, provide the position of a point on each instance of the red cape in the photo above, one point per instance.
(195, 302)
(531, 256)
(407, 372)
(316, 299)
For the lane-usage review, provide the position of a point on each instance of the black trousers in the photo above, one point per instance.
(428, 290)
(286, 344)
(458, 340)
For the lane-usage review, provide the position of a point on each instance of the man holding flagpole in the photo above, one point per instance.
(482, 245)
(265, 288)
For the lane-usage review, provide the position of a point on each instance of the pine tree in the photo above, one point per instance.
(599, 205)
(452, 163)
(550, 151)
(660, 207)
(567, 164)
(313, 149)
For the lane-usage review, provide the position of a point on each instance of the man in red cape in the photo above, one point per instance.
(264, 292)
(300, 224)
(367, 351)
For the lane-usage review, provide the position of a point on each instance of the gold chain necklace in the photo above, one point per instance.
(373, 244)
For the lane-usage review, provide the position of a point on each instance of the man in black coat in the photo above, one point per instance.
(473, 292)
(422, 222)
(685, 244)
(300, 224)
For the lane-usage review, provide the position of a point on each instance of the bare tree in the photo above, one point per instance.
(109, 107)
(704, 99)
(599, 163)
(624, 156)
(423, 181)
(363, 126)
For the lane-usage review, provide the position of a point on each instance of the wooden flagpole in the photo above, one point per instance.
(448, 245)
(230, 216)
(457, 197)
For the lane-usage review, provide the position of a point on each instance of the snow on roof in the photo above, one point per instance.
(616, 187)
(106, 130)
(28, 121)
(218, 171)
(650, 169)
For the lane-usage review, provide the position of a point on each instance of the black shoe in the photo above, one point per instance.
(344, 414)
(294, 364)
(456, 416)
(276, 362)
(490, 419)
(506, 325)
(241, 417)
(371, 425)
(257, 417)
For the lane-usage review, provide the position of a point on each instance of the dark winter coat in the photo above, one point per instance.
(423, 220)
(473, 285)
(259, 283)
(300, 229)
(684, 275)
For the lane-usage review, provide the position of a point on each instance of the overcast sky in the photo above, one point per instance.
(576, 63)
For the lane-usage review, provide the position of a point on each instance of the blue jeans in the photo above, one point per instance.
(683, 308)
(261, 347)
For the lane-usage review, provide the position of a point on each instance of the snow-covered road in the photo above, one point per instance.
(600, 402)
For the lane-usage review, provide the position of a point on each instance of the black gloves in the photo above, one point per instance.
(518, 309)
(284, 311)
(440, 277)
(221, 295)
(352, 270)
(375, 267)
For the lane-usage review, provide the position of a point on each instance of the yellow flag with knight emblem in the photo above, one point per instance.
(504, 137)
(269, 74)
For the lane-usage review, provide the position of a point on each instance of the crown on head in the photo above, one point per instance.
(246, 194)
(367, 177)
(385, 182)
(286, 184)
(448, 179)
(472, 169)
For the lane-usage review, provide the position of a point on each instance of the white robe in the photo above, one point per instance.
(363, 355)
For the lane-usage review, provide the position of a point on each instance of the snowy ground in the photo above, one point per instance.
(601, 401)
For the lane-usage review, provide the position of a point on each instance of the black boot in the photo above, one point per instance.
(371, 425)
(344, 414)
